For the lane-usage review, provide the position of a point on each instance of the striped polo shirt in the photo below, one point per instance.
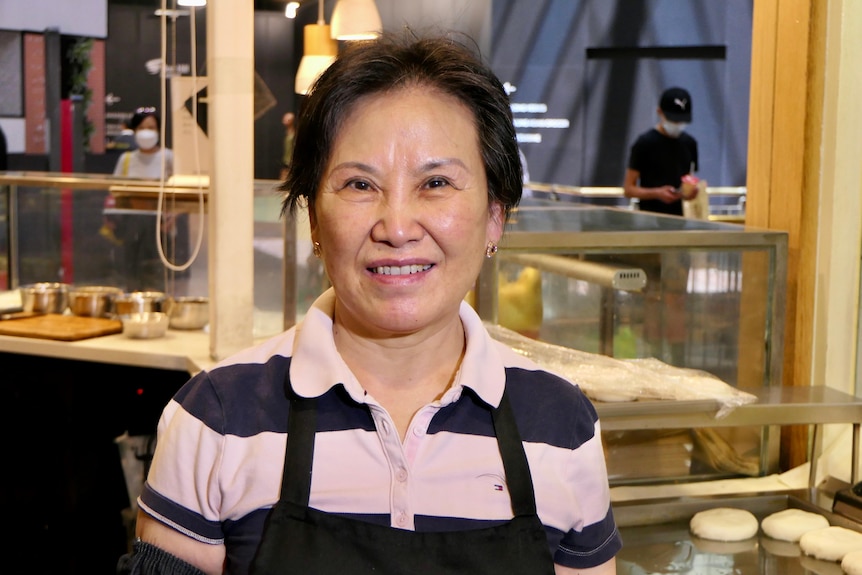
(219, 458)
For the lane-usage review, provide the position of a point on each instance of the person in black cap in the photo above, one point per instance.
(658, 160)
(661, 156)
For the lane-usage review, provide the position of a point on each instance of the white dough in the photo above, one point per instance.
(791, 524)
(830, 543)
(724, 524)
(852, 563)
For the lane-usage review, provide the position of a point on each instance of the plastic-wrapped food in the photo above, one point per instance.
(605, 378)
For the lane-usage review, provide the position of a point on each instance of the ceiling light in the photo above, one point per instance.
(356, 20)
(319, 51)
(192, 2)
(290, 10)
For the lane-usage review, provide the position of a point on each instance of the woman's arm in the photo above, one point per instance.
(208, 558)
(607, 568)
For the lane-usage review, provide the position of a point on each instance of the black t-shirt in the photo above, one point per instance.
(662, 161)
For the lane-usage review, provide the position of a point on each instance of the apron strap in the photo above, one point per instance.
(515, 463)
(302, 424)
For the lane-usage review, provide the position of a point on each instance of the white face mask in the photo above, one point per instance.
(146, 139)
(673, 129)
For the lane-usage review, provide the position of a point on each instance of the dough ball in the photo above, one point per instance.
(852, 563)
(830, 543)
(724, 524)
(791, 524)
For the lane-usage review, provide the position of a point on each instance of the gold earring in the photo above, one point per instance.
(490, 250)
(315, 249)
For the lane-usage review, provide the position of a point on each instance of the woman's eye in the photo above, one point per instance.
(437, 183)
(359, 185)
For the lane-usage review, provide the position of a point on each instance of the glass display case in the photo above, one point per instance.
(696, 294)
(86, 229)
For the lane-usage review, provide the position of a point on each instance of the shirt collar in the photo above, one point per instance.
(317, 366)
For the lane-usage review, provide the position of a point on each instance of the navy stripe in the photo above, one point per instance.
(243, 402)
(179, 514)
(540, 397)
(594, 546)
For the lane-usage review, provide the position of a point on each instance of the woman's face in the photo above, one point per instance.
(402, 212)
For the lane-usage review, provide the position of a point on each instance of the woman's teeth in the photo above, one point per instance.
(400, 270)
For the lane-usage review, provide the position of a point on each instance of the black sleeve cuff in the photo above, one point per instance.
(146, 559)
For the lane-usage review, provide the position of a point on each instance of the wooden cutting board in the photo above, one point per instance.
(60, 327)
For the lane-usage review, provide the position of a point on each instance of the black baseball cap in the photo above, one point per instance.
(675, 104)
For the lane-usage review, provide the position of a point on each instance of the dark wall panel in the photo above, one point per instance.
(587, 75)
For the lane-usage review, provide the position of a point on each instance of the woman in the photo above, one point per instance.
(150, 158)
(142, 267)
(408, 424)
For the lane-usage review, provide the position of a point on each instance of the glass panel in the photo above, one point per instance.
(72, 229)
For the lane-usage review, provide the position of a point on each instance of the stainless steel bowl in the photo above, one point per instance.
(45, 297)
(147, 325)
(190, 312)
(142, 302)
(93, 301)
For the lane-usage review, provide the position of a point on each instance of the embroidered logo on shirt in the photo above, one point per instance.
(497, 481)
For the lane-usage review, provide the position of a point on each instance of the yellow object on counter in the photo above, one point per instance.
(519, 306)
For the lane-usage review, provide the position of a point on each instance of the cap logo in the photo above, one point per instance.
(681, 102)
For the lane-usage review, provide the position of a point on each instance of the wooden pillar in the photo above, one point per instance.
(787, 79)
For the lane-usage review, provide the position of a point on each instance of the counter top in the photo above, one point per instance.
(177, 350)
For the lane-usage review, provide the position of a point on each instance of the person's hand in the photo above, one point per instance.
(688, 188)
(666, 194)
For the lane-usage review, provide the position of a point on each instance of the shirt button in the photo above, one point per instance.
(401, 474)
(419, 431)
(401, 519)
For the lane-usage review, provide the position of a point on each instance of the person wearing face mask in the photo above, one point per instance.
(141, 266)
(661, 156)
(145, 162)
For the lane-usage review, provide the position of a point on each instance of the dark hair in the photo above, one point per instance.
(141, 114)
(391, 62)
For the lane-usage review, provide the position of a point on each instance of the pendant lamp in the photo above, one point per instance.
(356, 20)
(318, 52)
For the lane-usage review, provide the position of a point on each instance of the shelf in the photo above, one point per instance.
(774, 406)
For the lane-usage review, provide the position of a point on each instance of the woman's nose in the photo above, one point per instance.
(398, 222)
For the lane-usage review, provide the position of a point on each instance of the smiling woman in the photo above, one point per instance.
(412, 432)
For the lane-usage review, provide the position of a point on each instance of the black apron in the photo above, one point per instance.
(300, 540)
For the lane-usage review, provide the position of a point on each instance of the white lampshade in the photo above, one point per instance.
(319, 51)
(356, 20)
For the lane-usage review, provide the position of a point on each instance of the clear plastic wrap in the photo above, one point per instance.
(607, 379)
